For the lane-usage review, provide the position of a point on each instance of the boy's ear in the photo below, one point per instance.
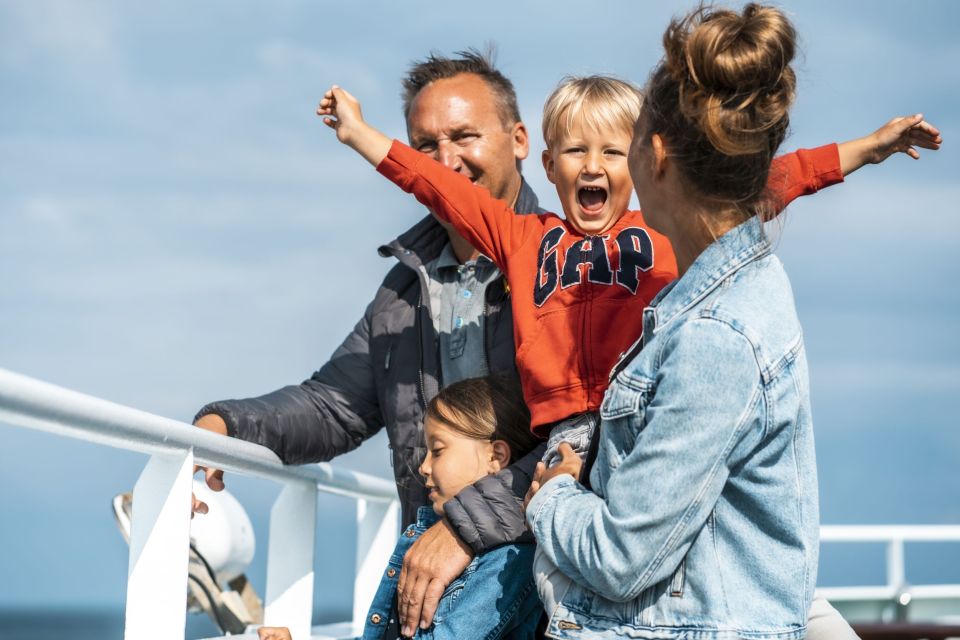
(548, 165)
(500, 454)
(521, 141)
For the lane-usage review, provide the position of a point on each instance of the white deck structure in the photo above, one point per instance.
(157, 573)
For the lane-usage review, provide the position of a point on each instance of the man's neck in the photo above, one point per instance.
(461, 248)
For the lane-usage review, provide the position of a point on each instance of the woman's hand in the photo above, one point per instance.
(274, 633)
(570, 463)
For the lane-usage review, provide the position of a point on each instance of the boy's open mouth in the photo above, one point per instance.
(591, 199)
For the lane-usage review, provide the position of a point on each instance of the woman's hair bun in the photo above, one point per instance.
(734, 75)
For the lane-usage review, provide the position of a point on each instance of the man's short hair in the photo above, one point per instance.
(439, 67)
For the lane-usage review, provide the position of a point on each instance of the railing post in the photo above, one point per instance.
(376, 538)
(896, 574)
(159, 549)
(293, 521)
(897, 578)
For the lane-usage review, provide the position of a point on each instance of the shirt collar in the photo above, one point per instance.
(728, 253)
(527, 201)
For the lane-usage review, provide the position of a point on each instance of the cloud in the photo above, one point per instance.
(60, 33)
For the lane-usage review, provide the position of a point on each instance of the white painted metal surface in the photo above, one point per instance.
(157, 574)
(897, 600)
(158, 547)
(376, 538)
(289, 600)
(157, 569)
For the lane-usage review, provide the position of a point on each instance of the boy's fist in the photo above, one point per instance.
(341, 112)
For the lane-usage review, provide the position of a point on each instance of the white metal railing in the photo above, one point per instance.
(157, 572)
(160, 529)
(897, 600)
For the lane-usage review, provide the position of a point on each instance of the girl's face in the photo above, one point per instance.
(455, 461)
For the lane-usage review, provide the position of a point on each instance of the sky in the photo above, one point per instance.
(178, 227)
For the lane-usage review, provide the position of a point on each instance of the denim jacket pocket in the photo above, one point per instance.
(624, 396)
(453, 591)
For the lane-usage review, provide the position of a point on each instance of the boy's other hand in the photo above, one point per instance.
(903, 134)
(341, 112)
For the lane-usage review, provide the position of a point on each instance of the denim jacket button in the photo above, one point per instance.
(408, 533)
(376, 618)
(391, 572)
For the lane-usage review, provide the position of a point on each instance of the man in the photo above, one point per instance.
(442, 314)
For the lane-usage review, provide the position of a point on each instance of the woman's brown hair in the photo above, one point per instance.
(490, 408)
(721, 98)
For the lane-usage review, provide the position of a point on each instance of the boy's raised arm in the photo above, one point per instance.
(341, 112)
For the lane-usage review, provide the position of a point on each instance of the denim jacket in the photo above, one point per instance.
(705, 519)
(493, 598)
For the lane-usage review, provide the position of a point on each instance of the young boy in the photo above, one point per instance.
(579, 283)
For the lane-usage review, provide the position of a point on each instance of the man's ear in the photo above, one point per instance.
(548, 165)
(521, 141)
(500, 454)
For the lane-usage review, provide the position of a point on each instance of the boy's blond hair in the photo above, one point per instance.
(600, 102)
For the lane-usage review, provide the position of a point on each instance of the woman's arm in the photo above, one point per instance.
(697, 425)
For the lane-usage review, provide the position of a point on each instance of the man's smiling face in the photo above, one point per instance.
(457, 121)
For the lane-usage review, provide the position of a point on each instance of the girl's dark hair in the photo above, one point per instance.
(490, 408)
(721, 97)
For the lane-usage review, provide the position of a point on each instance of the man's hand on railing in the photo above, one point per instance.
(214, 477)
(274, 633)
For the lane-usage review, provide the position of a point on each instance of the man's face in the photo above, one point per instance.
(456, 121)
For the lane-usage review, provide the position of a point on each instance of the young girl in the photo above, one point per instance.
(473, 428)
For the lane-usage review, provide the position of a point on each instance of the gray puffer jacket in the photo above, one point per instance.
(383, 374)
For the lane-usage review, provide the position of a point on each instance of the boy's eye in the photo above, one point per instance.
(574, 150)
(615, 152)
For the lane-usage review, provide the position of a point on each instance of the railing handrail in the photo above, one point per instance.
(890, 533)
(31, 403)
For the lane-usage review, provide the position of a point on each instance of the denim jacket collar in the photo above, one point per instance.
(732, 250)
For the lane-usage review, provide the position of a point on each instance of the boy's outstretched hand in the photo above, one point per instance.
(341, 112)
(904, 134)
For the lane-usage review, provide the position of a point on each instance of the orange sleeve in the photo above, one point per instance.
(487, 223)
(802, 173)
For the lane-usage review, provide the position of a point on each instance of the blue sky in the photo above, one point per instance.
(179, 227)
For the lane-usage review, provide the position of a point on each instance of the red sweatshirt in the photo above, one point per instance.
(577, 300)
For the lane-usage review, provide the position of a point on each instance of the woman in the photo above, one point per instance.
(705, 518)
